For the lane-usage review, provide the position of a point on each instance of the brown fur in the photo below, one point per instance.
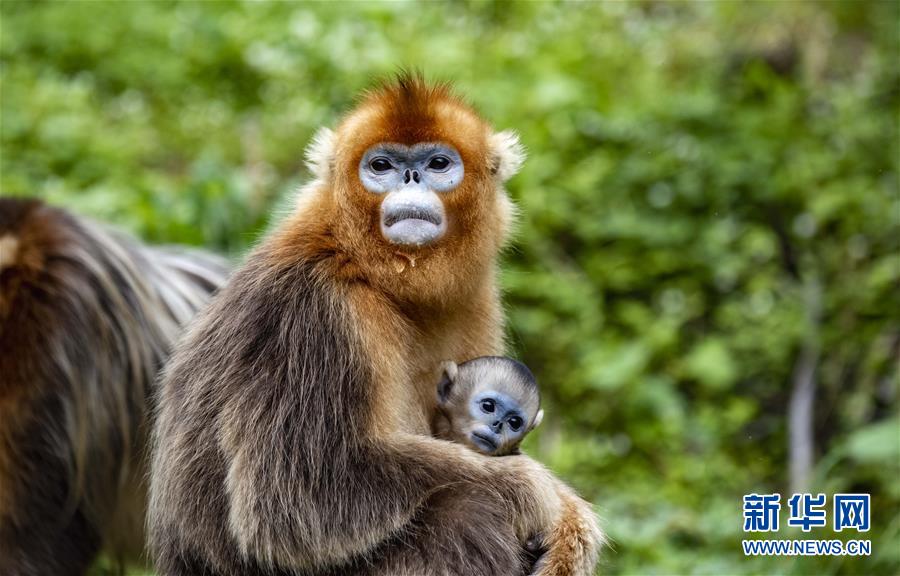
(86, 319)
(293, 433)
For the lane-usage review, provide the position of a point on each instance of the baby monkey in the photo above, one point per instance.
(488, 403)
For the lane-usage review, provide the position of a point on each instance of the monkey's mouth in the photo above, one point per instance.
(412, 224)
(484, 443)
(411, 213)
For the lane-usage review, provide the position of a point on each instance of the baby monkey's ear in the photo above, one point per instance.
(448, 377)
(538, 419)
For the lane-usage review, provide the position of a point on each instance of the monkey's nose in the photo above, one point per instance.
(411, 174)
(497, 427)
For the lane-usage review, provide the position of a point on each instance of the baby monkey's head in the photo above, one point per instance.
(490, 403)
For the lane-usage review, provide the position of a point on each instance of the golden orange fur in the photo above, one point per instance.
(341, 217)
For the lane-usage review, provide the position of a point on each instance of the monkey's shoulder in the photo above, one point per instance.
(282, 326)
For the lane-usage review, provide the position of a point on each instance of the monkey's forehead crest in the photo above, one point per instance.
(408, 110)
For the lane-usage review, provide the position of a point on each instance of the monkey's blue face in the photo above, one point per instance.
(412, 178)
(498, 421)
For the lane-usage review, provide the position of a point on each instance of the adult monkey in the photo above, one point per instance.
(292, 435)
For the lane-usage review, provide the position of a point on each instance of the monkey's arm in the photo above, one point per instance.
(299, 513)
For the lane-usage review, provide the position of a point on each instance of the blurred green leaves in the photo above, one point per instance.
(876, 444)
(710, 363)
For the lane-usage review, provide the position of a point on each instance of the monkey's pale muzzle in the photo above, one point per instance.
(413, 217)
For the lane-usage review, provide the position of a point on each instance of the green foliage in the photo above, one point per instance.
(694, 169)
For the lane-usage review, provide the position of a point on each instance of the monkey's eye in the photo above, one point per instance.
(439, 163)
(487, 405)
(380, 164)
(515, 422)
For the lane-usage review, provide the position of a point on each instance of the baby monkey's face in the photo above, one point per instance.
(497, 422)
(491, 404)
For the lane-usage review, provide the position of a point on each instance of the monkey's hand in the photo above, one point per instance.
(571, 536)
(572, 546)
(541, 507)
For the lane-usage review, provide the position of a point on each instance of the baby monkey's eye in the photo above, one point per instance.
(439, 163)
(487, 405)
(515, 422)
(380, 164)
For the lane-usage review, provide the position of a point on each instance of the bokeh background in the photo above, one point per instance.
(710, 215)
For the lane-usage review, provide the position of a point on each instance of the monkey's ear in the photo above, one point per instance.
(538, 419)
(507, 154)
(320, 153)
(448, 377)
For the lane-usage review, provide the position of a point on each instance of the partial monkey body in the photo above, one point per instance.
(87, 318)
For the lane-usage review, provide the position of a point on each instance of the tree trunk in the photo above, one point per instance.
(803, 395)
